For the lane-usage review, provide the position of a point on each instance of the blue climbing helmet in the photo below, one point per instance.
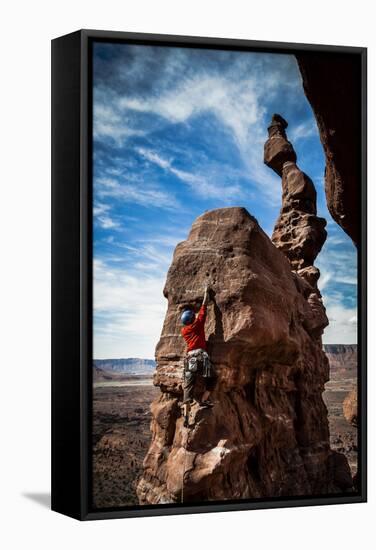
(187, 317)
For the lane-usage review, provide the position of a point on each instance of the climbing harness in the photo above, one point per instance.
(198, 361)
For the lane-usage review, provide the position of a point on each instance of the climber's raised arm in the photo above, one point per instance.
(201, 316)
(206, 296)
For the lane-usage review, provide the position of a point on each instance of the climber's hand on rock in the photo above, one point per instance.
(207, 296)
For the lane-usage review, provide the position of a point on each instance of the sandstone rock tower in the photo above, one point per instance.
(267, 434)
(298, 232)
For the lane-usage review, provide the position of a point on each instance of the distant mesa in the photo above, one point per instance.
(343, 360)
(129, 365)
(337, 349)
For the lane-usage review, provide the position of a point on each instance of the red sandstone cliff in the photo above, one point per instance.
(267, 434)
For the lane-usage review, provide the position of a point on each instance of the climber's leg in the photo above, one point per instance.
(186, 411)
(209, 387)
(205, 396)
(188, 386)
(205, 402)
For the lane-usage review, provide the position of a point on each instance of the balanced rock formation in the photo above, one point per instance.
(267, 434)
(332, 84)
(298, 232)
(278, 150)
(350, 407)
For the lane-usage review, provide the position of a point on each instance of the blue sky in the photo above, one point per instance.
(177, 132)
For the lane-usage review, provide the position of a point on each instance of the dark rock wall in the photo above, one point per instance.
(332, 84)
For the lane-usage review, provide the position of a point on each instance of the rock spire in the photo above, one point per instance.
(298, 232)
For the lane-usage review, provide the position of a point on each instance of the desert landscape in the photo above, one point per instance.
(121, 425)
(121, 428)
(343, 380)
(121, 436)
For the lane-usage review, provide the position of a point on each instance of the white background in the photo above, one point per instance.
(27, 27)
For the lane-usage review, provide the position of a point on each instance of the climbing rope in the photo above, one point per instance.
(184, 463)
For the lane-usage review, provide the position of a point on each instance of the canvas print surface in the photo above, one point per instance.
(225, 276)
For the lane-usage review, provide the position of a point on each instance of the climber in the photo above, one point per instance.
(197, 364)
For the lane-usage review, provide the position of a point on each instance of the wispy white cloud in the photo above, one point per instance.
(150, 256)
(325, 278)
(338, 260)
(342, 327)
(238, 105)
(304, 130)
(338, 283)
(107, 223)
(100, 209)
(200, 184)
(234, 94)
(235, 103)
(108, 122)
(186, 177)
(139, 193)
(103, 218)
(329, 275)
(166, 240)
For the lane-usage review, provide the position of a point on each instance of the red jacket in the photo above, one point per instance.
(194, 334)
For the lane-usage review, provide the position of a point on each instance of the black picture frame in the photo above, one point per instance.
(72, 276)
